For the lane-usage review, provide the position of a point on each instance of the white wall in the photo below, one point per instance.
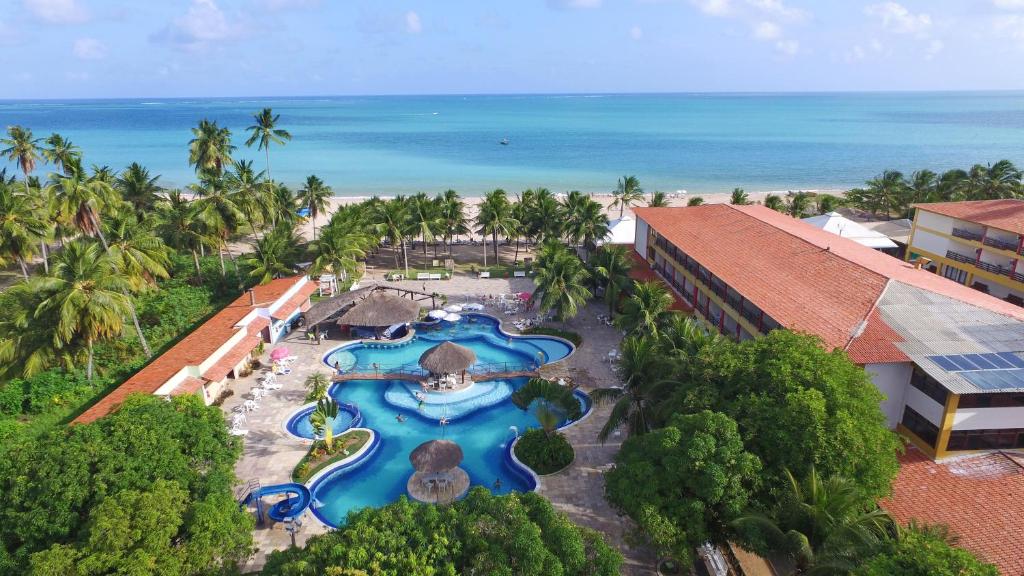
(938, 223)
(893, 380)
(983, 418)
(937, 244)
(925, 406)
(641, 237)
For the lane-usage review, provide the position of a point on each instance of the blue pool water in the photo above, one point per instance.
(300, 425)
(481, 418)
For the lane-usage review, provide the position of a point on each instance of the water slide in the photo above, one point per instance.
(297, 501)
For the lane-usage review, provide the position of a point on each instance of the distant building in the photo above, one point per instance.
(202, 362)
(896, 230)
(948, 358)
(840, 225)
(977, 244)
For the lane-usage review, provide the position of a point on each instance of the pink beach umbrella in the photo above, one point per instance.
(279, 353)
(524, 296)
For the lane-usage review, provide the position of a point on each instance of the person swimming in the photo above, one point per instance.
(400, 418)
(497, 484)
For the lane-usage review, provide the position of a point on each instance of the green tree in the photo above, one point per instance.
(220, 213)
(658, 200)
(828, 203)
(695, 201)
(20, 227)
(822, 523)
(774, 202)
(556, 396)
(453, 217)
(251, 193)
(322, 420)
(425, 218)
(611, 265)
(139, 189)
(511, 535)
(136, 249)
(391, 220)
(181, 224)
(561, 283)
(494, 217)
(265, 132)
(739, 197)
(317, 385)
(924, 551)
(685, 483)
(627, 193)
(643, 370)
(798, 204)
(24, 150)
(342, 243)
(314, 195)
(993, 181)
(645, 309)
(210, 149)
(586, 222)
(61, 152)
(276, 255)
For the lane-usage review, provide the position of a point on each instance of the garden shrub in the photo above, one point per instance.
(544, 453)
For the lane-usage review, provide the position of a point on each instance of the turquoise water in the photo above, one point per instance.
(301, 426)
(480, 418)
(698, 142)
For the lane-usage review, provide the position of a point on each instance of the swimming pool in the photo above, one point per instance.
(481, 418)
(298, 424)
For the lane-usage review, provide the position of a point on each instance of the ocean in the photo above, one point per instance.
(701, 143)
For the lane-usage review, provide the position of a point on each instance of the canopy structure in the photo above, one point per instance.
(453, 317)
(453, 308)
(381, 309)
(436, 456)
(437, 314)
(841, 226)
(620, 231)
(447, 358)
(279, 353)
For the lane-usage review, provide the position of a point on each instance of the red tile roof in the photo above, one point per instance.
(1006, 214)
(877, 344)
(220, 370)
(641, 272)
(195, 348)
(189, 385)
(980, 498)
(805, 278)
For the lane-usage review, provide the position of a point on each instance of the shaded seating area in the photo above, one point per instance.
(438, 478)
(446, 362)
(382, 313)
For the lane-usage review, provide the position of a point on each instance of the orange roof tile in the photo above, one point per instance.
(980, 498)
(1006, 214)
(191, 350)
(805, 278)
(189, 385)
(298, 300)
(877, 344)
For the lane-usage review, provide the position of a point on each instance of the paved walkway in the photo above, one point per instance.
(270, 453)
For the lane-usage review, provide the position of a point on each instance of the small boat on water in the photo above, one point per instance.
(504, 142)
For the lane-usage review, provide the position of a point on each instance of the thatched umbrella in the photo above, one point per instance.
(447, 358)
(436, 456)
(381, 309)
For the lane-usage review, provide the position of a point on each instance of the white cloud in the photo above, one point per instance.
(767, 31)
(897, 18)
(574, 4)
(290, 4)
(636, 33)
(57, 11)
(788, 47)
(1009, 4)
(202, 25)
(714, 7)
(778, 8)
(89, 49)
(413, 25)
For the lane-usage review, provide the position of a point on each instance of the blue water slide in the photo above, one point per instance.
(297, 501)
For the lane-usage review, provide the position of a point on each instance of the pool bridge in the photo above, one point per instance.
(480, 372)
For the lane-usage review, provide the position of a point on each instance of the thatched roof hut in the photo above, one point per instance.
(436, 456)
(447, 358)
(381, 309)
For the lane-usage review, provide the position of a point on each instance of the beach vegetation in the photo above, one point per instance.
(627, 194)
(695, 201)
(644, 373)
(494, 218)
(264, 132)
(739, 197)
(775, 202)
(561, 281)
(646, 308)
(210, 149)
(313, 196)
(609, 267)
(658, 200)
(799, 204)
(516, 534)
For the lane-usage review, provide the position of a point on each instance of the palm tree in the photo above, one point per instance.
(585, 222)
(495, 218)
(313, 195)
(342, 243)
(823, 524)
(923, 186)
(695, 201)
(210, 148)
(283, 204)
(20, 227)
(798, 204)
(999, 180)
(627, 193)
(546, 216)
(220, 213)
(611, 266)
(645, 308)
(658, 200)
(181, 225)
(739, 197)
(453, 217)
(317, 384)
(251, 192)
(136, 249)
(884, 192)
(24, 150)
(828, 203)
(265, 132)
(424, 219)
(139, 189)
(102, 174)
(642, 369)
(87, 294)
(61, 153)
(276, 255)
(561, 282)
(685, 337)
(391, 219)
(322, 420)
(774, 202)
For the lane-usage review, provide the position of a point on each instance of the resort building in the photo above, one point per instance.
(840, 225)
(947, 358)
(977, 244)
(219, 349)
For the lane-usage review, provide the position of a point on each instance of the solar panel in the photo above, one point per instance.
(996, 379)
(1012, 358)
(978, 362)
(944, 363)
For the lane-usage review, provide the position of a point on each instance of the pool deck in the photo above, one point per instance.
(270, 453)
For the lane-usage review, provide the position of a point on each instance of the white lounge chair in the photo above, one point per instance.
(485, 274)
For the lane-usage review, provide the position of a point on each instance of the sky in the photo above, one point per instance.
(187, 48)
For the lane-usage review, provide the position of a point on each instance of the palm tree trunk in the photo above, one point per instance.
(46, 258)
(195, 260)
(405, 256)
(494, 237)
(517, 248)
(220, 253)
(484, 237)
(268, 162)
(24, 268)
(88, 363)
(131, 303)
(394, 252)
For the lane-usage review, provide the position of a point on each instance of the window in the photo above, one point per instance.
(929, 386)
(921, 427)
(1009, 400)
(955, 274)
(986, 439)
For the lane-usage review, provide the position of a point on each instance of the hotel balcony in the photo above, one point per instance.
(958, 257)
(1002, 245)
(968, 235)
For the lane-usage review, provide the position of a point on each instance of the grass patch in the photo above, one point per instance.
(573, 337)
(319, 458)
